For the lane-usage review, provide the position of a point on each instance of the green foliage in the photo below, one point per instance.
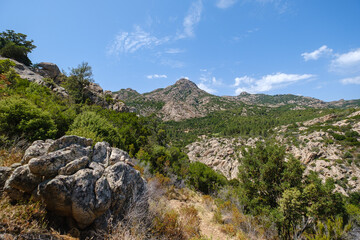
(259, 121)
(79, 78)
(14, 45)
(264, 174)
(334, 229)
(164, 160)
(292, 208)
(6, 65)
(204, 178)
(321, 201)
(22, 118)
(109, 99)
(91, 125)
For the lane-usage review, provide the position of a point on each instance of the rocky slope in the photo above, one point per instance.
(49, 75)
(86, 184)
(185, 100)
(328, 145)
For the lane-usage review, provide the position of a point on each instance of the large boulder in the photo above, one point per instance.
(50, 70)
(87, 184)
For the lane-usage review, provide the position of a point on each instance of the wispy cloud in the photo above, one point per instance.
(130, 42)
(346, 63)
(174, 51)
(206, 88)
(322, 51)
(191, 20)
(353, 80)
(208, 82)
(268, 82)
(225, 3)
(280, 5)
(156, 76)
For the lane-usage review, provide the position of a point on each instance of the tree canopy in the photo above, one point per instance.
(16, 46)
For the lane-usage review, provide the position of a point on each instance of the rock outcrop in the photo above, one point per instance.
(87, 184)
(49, 70)
(38, 77)
(49, 75)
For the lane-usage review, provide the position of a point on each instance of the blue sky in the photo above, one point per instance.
(311, 48)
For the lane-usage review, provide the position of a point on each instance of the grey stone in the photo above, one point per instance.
(22, 179)
(4, 175)
(36, 149)
(86, 185)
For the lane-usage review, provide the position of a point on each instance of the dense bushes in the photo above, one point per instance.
(204, 178)
(91, 125)
(22, 118)
(272, 187)
(164, 160)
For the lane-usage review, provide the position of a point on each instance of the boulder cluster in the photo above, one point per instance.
(88, 184)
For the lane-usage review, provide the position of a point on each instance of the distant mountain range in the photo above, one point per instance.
(185, 100)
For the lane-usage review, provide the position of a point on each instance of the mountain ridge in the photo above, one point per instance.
(184, 100)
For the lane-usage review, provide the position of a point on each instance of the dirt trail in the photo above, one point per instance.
(208, 227)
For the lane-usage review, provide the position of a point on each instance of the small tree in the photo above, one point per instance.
(16, 46)
(79, 79)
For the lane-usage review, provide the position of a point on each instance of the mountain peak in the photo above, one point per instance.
(185, 81)
(244, 93)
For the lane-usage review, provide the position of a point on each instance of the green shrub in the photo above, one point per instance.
(91, 125)
(22, 118)
(204, 178)
(338, 137)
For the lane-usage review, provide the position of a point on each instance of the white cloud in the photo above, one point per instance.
(156, 76)
(129, 42)
(191, 19)
(354, 80)
(323, 50)
(225, 3)
(347, 63)
(268, 82)
(174, 51)
(216, 82)
(206, 88)
(245, 79)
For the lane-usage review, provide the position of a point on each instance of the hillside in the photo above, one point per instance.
(328, 145)
(185, 100)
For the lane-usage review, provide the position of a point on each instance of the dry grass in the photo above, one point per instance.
(240, 226)
(9, 157)
(190, 222)
(21, 217)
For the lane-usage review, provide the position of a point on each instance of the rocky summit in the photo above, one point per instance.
(77, 180)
